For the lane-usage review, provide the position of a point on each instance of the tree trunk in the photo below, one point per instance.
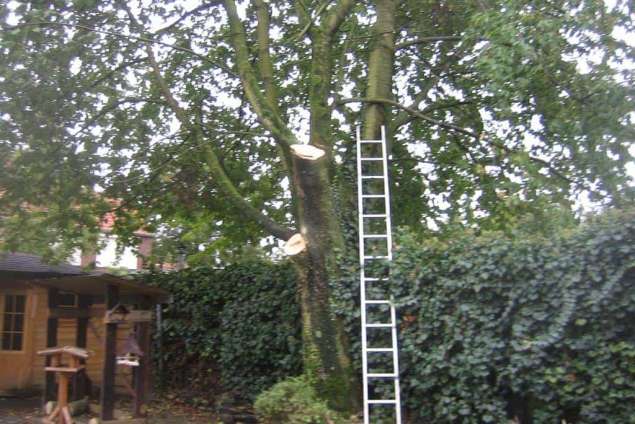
(380, 70)
(326, 354)
(326, 358)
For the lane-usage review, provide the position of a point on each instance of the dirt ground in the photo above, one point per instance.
(28, 411)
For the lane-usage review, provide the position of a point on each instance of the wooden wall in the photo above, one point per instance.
(31, 366)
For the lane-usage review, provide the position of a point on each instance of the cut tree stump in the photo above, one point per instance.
(295, 245)
(306, 151)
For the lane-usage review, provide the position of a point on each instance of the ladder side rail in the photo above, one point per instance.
(362, 275)
(393, 314)
(395, 358)
(384, 155)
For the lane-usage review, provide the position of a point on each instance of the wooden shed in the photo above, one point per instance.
(43, 306)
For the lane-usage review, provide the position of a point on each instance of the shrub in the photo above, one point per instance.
(494, 327)
(235, 329)
(294, 401)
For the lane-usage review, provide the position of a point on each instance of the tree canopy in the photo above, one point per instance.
(185, 111)
(184, 118)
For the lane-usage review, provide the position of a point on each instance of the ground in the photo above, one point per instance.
(28, 411)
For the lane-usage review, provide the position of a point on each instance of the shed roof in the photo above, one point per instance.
(33, 264)
(95, 285)
(27, 267)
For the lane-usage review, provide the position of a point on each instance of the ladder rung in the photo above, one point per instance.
(375, 279)
(372, 177)
(371, 159)
(373, 196)
(370, 141)
(379, 349)
(382, 401)
(376, 236)
(382, 375)
(379, 325)
(374, 215)
(376, 257)
(377, 302)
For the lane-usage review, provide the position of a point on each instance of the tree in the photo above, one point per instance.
(191, 116)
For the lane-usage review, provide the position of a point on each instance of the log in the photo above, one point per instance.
(295, 245)
(76, 408)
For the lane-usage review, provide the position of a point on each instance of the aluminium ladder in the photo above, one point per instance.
(374, 213)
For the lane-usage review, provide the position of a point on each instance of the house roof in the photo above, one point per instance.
(33, 264)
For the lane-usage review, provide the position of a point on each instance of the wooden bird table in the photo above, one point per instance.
(65, 362)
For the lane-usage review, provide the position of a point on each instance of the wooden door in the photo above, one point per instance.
(16, 347)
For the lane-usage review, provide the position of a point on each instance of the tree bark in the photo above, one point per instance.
(326, 354)
(326, 359)
(380, 69)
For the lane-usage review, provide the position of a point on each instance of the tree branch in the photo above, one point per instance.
(309, 20)
(411, 111)
(265, 65)
(229, 189)
(110, 107)
(203, 6)
(424, 40)
(455, 128)
(266, 115)
(302, 12)
(221, 179)
(543, 162)
(337, 15)
(113, 34)
(165, 89)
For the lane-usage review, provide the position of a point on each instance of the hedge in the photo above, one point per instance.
(492, 326)
(233, 330)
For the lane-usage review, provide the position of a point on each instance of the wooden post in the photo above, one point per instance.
(159, 336)
(62, 393)
(51, 341)
(141, 382)
(80, 380)
(107, 398)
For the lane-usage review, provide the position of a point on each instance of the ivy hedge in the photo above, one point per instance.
(234, 330)
(492, 327)
(496, 327)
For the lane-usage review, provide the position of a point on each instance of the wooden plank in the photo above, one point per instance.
(64, 369)
(69, 350)
(141, 372)
(81, 385)
(51, 341)
(130, 316)
(107, 398)
(69, 313)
